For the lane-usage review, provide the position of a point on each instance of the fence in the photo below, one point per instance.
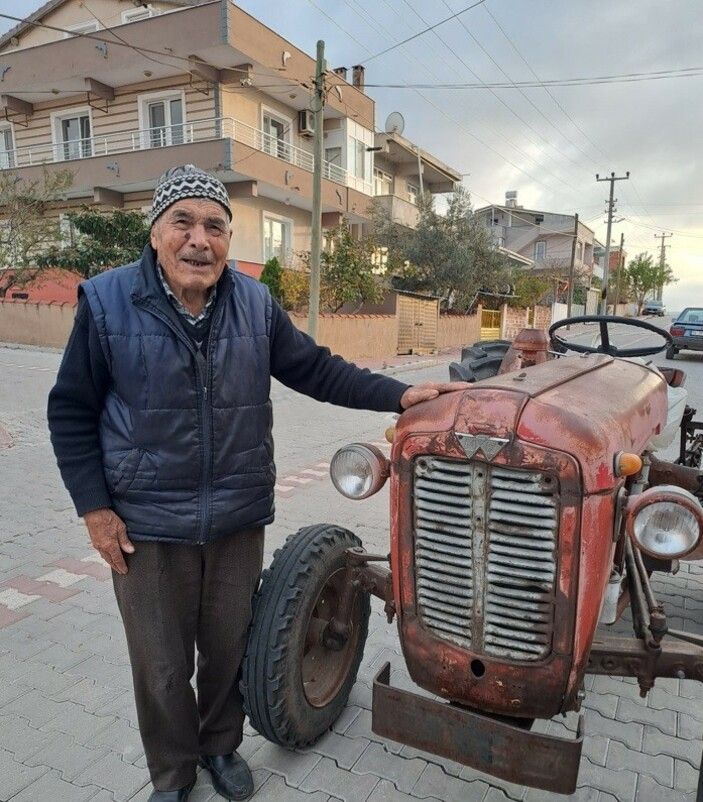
(41, 324)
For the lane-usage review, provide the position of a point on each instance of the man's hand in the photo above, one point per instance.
(428, 391)
(108, 534)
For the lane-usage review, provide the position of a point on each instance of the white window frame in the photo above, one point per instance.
(539, 242)
(127, 16)
(89, 26)
(288, 225)
(382, 175)
(413, 191)
(12, 161)
(56, 118)
(287, 136)
(143, 102)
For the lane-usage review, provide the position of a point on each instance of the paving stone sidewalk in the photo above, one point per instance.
(68, 727)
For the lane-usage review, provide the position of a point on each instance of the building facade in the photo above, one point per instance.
(545, 238)
(119, 92)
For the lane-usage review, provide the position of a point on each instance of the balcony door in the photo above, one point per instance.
(276, 136)
(73, 136)
(165, 122)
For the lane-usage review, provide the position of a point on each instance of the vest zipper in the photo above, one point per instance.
(201, 386)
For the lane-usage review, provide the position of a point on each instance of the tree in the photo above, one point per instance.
(449, 255)
(102, 240)
(271, 276)
(645, 276)
(26, 226)
(347, 270)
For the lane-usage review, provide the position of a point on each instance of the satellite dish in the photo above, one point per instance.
(395, 124)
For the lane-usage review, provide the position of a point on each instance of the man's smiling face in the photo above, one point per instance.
(191, 239)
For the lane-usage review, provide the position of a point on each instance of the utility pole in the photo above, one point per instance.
(662, 259)
(318, 105)
(621, 265)
(570, 298)
(611, 208)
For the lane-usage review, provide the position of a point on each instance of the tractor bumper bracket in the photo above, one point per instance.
(489, 744)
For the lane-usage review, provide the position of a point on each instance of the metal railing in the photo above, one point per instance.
(204, 130)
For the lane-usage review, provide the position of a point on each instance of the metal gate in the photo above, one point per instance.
(491, 324)
(417, 324)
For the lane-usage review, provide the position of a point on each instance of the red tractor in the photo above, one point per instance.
(523, 512)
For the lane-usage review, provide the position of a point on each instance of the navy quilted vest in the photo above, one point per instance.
(187, 450)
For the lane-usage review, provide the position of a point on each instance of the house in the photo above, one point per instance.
(545, 238)
(120, 91)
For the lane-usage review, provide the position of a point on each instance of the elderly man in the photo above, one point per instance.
(161, 423)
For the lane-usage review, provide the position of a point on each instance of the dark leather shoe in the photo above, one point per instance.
(181, 795)
(230, 775)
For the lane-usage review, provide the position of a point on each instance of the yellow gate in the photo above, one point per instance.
(491, 320)
(417, 324)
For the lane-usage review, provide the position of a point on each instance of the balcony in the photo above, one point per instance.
(76, 151)
(401, 211)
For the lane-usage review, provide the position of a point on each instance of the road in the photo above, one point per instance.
(67, 720)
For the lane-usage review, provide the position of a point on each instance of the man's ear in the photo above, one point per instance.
(153, 238)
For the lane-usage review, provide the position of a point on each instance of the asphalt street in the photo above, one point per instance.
(67, 720)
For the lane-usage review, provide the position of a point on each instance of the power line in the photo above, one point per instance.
(542, 140)
(425, 30)
(689, 72)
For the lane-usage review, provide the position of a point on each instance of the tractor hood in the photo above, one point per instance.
(590, 406)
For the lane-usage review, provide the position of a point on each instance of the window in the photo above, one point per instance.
(334, 156)
(137, 14)
(82, 27)
(277, 238)
(72, 135)
(163, 118)
(7, 148)
(540, 249)
(413, 192)
(276, 135)
(359, 159)
(579, 251)
(382, 183)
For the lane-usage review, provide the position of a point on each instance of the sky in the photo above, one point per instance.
(547, 146)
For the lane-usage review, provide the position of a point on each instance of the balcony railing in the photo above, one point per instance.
(204, 130)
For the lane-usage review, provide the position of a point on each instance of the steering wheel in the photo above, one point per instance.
(606, 347)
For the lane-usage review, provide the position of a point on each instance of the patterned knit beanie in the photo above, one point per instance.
(187, 181)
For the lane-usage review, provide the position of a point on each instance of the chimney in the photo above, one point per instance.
(511, 199)
(341, 71)
(358, 77)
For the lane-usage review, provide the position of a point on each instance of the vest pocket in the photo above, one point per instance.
(120, 478)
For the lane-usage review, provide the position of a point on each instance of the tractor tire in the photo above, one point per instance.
(481, 361)
(294, 687)
(671, 352)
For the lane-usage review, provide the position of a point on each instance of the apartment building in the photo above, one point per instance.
(118, 91)
(545, 238)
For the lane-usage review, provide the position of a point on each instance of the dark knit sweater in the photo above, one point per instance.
(76, 401)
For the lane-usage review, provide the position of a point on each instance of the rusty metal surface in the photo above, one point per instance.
(530, 347)
(471, 676)
(628, 657)
(495, 746)
(485, 556)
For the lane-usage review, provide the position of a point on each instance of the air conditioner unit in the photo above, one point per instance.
(306, 122)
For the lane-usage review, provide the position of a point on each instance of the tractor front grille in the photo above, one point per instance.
(485, 556)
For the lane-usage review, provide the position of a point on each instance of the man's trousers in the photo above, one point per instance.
(173, 598)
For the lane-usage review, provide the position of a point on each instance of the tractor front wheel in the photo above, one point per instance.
(296, 676)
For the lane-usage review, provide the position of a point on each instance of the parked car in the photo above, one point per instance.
(520, 517)
(686, 332)
(654, 307)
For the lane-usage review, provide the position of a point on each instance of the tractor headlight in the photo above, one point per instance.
(359, 470)
(665, 521)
